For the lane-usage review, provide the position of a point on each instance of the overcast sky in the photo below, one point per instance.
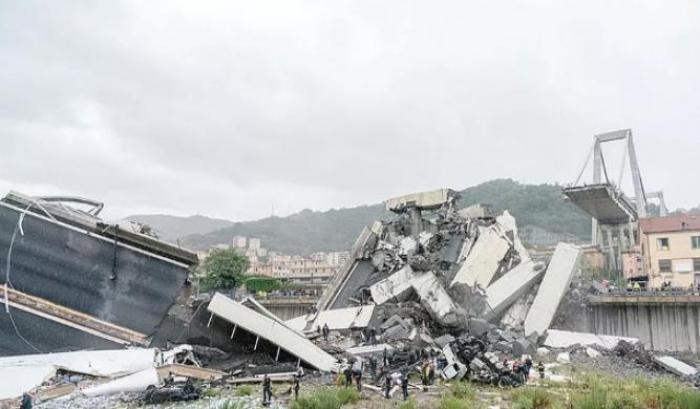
(228, 108)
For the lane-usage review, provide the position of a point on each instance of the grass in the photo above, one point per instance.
(244, 390)
(450, 402)
(533, 398)
(462, 390)
(409, 404)
(229, 404)
(327, 398)
(460, 396)
(605, 392)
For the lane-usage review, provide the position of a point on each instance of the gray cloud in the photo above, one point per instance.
(229, 108)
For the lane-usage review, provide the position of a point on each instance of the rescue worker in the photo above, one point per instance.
(528, 366)
(384, 355)
(357, 368)
(540, 369)
(348, 375)
(326, 331)
(26, 401)
(373, 367)
(373, 336)
(297, 386)
(387, 386)
(431, 372)
(267, 390)
(404, 386)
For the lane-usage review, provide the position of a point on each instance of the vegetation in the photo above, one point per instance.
(602, 392)
(533, 398)
(462, 390)
(262, 284)
(461, 395)
(327, 398)
(450, 402)
(542, 206)
(409, 404)
(233, 404)
(225, 268)
(244, 390)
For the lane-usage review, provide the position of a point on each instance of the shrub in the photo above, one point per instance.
(532, 398)
(348, 395)
(327, 399)
(244, 390)
(462, 390)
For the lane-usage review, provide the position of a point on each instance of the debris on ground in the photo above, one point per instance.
(433, 292)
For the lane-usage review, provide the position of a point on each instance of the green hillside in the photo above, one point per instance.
(309, 231)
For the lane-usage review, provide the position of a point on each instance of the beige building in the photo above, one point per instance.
(671, 250)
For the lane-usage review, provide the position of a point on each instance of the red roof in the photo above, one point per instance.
(678, 222)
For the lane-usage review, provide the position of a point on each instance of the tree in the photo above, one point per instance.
(225, 268)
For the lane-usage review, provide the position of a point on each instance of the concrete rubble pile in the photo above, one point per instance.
(453, 289)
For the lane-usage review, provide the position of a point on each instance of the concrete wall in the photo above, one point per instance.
(661, 327)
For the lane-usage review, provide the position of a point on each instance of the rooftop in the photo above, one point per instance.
(674, 223)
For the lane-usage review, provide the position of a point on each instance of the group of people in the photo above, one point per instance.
(353, 370)
(267, 386)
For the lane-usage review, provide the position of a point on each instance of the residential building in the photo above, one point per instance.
(253, 243)
(240, 242)
(670, 249)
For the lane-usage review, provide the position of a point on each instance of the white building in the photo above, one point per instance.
(240, 242)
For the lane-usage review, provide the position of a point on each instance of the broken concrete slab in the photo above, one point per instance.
(592, 353)
(338, 319)
(565, 339)
(521, 347)
(514, 317)
(274, 331)
(444, 340)
(485, 257)
(19, 379)
(370, 350)
(396, 286)
(507, 221)
(478, 327)
(109, 363)
(430, 200)
(564, 263)
(435, 299)
(477, 211)
(511, 286)
(564, 357)
(676, 366)
(136, 382)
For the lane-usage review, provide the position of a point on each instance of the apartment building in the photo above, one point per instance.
(670, 249)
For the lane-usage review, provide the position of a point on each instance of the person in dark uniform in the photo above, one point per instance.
(404, 386)
(26, 401)
(387, 386)
(373, 367)
(326, 331)
(384, 355)
(267, 390)
(348, 375)
(373, 336)
(540, 369)
(297, 386)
